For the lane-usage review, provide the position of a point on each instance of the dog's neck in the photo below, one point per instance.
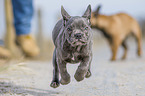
(102, 22)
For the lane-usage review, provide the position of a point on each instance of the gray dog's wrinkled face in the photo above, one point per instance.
(77, 29)
(78, 32)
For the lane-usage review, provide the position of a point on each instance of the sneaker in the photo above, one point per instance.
(28, 45)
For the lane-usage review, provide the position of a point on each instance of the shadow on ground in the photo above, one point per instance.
(12, 89)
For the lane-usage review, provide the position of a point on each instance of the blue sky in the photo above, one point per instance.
(51, 11)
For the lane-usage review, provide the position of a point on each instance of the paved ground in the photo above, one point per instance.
(119, 78)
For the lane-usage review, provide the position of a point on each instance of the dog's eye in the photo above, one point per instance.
(86, 28)
(69, 29)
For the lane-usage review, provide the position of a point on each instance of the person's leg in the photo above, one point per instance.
(23, 11)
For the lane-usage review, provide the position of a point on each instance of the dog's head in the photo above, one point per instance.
(77, 29)
(94, 17)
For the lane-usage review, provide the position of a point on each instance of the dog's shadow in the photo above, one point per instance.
(12, 89)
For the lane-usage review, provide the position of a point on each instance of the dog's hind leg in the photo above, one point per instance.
(138, 36)
(139, 50)
(88, 74)
(55, 82)
(125, 49)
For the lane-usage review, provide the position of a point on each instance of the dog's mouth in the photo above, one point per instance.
(79, 42)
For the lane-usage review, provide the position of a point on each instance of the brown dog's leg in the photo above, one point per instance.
(138, 35)
(114, 47)
(139, 51)
(125, 50)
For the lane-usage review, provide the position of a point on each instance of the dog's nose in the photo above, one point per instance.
(78, 35)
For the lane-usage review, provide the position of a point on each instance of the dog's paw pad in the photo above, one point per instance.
(88, 74)
(54, 84)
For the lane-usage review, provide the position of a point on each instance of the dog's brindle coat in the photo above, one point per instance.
(116, 28)
(72, 38)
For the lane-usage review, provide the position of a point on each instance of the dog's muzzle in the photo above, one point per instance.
(78, 36)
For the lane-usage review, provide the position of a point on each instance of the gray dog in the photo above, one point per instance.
(72, 37)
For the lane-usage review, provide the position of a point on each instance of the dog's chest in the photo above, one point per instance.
(74, 56)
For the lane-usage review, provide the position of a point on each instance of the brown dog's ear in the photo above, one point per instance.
(87, 13)
(64, 14)
(97, 10)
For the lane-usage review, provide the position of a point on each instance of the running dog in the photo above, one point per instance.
(72, 37)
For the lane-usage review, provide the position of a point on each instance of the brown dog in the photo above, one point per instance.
(116, 28)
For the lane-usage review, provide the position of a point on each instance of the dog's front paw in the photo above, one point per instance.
(88, 74)
(55, 84)
(113, 59)
(139, 52)
(123, 57)
(65, 79)
(64, 82)
(79, 75)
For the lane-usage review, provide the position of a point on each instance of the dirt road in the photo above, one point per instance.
(119, 78)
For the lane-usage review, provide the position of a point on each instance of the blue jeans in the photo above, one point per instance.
(23, 11)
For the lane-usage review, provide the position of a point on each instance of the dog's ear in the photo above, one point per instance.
(65, 15)
(97, 10)
(87, 13)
